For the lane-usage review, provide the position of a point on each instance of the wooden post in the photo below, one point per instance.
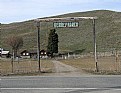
(38, 44)
(95, 47)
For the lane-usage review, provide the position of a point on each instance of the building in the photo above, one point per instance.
(25, 54)
(1, 49)
(4, 53)
(33, 54)
(43, 54)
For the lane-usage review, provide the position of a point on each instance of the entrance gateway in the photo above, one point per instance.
(71, 22)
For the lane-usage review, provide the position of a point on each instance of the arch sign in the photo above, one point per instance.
(63, 23)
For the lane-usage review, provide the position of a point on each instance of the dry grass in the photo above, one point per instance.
(80, 63)
(104, 63)
(25, 66)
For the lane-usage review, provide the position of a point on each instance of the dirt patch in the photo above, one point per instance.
(63, 69)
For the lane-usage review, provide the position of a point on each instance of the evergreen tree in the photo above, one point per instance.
(52, 42)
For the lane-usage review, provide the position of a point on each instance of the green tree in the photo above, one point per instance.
(52, 42)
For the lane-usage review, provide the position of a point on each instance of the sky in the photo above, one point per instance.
(22, 10)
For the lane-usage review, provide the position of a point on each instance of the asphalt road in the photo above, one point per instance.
(57, 84)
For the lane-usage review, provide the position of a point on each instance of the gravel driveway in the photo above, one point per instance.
(63, 69)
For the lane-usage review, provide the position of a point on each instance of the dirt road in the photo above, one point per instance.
(63, 69)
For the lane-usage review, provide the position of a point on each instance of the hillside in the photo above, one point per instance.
(108, 32)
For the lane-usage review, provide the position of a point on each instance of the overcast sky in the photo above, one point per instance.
(22, 10)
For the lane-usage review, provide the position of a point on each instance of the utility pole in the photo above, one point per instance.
(95, 47)
(38, 45)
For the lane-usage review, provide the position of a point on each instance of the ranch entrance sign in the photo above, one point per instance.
(66, 22)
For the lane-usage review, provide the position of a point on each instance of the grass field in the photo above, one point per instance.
(105, 64)
(25, 66)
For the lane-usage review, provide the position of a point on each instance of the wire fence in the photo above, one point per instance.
(105, 63)
(23, 66)
(18, 66)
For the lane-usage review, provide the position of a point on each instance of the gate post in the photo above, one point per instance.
(38, 45)
(95, 47)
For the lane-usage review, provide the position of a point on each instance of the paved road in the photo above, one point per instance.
(49, 84)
